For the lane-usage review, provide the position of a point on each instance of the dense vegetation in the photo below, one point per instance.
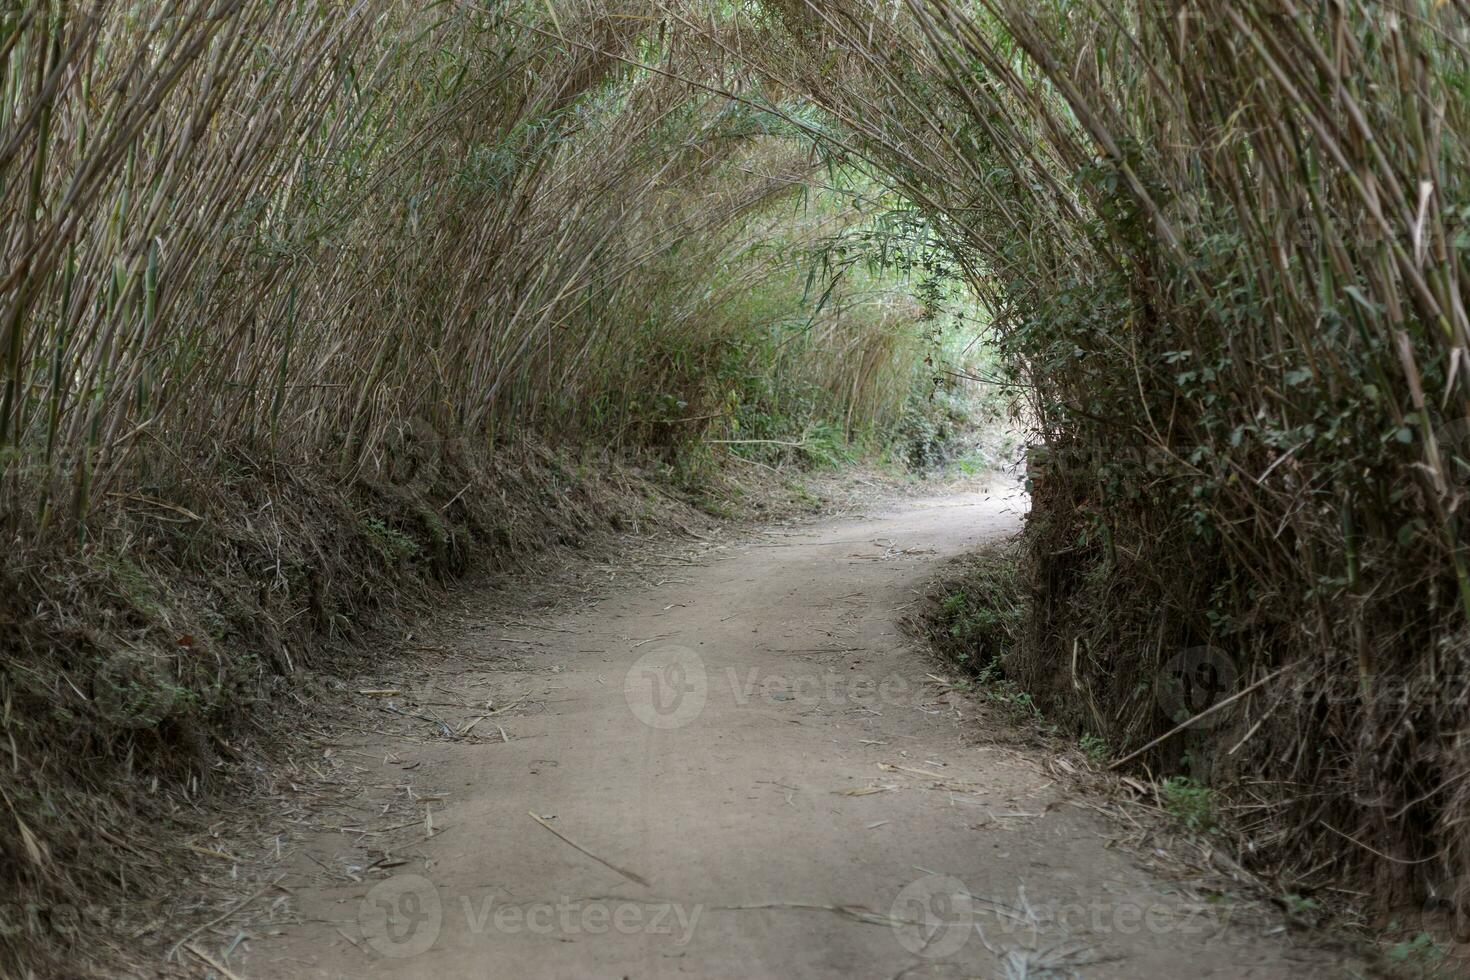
(1225, 245)
(280, 228)
(306, 307)
(1222, 244)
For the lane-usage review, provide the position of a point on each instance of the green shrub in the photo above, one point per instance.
(1190, 803)
(978, 619)
(393, 546)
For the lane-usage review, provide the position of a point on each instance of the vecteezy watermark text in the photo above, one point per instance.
(404, 916)
(669, 687)
(937, 916)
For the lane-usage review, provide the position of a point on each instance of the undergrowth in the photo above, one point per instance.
(974, 617)
(132, 668)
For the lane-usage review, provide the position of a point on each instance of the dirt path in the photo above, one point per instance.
(745, 771)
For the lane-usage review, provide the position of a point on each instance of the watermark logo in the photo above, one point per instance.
(1194, 681)
(402, 916)
(578, 917)
(667, 687)
(933, 916)
(832, 688)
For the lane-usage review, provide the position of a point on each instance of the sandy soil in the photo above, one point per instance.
(740, 768)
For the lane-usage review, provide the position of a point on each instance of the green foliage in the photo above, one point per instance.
(976, 622)
(133, 692)
(1189, 802)
(1096, 749)
(1419, 957)
(392, 545)
(938, 426)
(1300, 907)
(127, 581)
(981, 617)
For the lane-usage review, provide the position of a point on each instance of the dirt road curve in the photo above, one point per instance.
(747, 771)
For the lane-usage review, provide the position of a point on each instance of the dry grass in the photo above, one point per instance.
(138, 668)
(291, 229)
